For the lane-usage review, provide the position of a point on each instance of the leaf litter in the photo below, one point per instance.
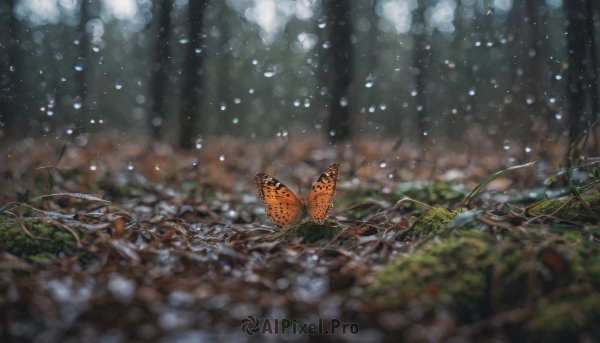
(162, 244)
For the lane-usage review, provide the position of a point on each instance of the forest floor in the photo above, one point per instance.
(134, 241)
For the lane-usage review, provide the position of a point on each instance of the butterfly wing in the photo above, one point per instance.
(319, 197)
(283, 206)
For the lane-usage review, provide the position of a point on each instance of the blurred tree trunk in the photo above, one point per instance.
(81, 63)
(338, 69)
(159, 74)
(11, 87)
(193, 75)
(581, 72)
(418, 70)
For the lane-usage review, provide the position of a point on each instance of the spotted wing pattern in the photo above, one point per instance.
(318, 200)
(283, 206)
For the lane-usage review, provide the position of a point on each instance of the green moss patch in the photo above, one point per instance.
(433, 220)
(573, 211)
(454, 272)
(571, 315)
(310, 231)
(51, 239)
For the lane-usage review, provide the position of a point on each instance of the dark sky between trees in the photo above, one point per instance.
(517, 71)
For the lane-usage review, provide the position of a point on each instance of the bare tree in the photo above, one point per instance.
(193, 81)
(159, 74)
(338, 68)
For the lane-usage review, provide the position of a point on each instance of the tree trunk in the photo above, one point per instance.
(81, 63)
(338, 71)
(11, 88)
(192, 84)
(579, 33)
(418, 70)
(159, 74)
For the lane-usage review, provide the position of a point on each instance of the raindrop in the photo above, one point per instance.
(527, 149)
(157, 121)
(199, 142)
(490, 43)
(506, 147)
(306, 103)
(235, 120)
(236, 101)
(558, 116)
(130, 166)
(118, 84)
(382, 165)
(558, 77)
(420, 108)
(42, 109)
(184, 41)
(369, 81)
(78, 67)
(425, 133)
(332, 133)
(222, 158)
(391, 176)
(344, 101)
(255, 62)
(382, 106)
(454, 111)
(92, 121)
(503, 40)
(322, 22)
(198, 50)
(529, 99)
(477, 43)
(372, 109)
(76, 42)
(471, 92)
(552, 100)
(62, 79)
(50, 113)
(269, 73)
(519, 71)
(251, 91)
(223, 106)
(413, 93)
(93, 167)
(326, 45)
(157, 167)
(77, 103)
(297, 102)
(69, 131)
(96, 49)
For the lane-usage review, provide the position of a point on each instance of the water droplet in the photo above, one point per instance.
(236, 101)
(77, 103)
(269, 73)
(93, 167)
(184, 41)
(382, 165)
(344, 101)
(490, 43)
(50, 113)
(198, 50)
(118, 84)
(454, 111)
(157, 167)
(503, 40)
(130, 166)
(425, 133)
(506, 147)
(222, 158)
(471, 92)
(420, 108)
(527, 149)
(69, 131)
(96, 49)
(529, 99)
(92, 121)
(235, 120)
(62, 79)
(558, 77)
(306, 103)
(391, 176)
(332, 133)
(413, 92)
(558, 116)
(326, 45)
(297, 102)
(383, 106)
(223, 106)
(78, 67)
(255, 62)
(76, 42)
(369, 81)
(552, 100)
(251, 91)
(322, 22)
(477, 43)
(372, 109)
(157, 121)
(199, 142)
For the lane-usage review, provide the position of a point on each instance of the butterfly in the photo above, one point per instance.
(284, 208)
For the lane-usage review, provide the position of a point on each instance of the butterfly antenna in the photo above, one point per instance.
(299, 189)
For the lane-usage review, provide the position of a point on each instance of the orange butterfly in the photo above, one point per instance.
(285, 208)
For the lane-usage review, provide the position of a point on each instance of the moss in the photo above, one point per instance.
(570, 315)
(456, 271)
(433, 220)
(54, 239)
(573, 211)
(431, 192)
(310, 231)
